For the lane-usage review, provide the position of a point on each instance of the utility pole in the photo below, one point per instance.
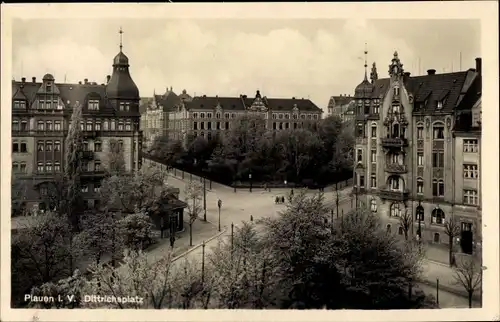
(203, 262)
(232, 239)
(219, 205)
(204, 199)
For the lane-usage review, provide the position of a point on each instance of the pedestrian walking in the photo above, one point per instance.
(276, 200)
(282, 199)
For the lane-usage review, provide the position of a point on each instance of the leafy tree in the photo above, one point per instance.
(18, 196)
(138, 276)
(452, 230)
(193, 194)
(67, 292)
(115, 161)
(39, 253)
(192, 292)
(469, 274)
(242, 140)
(136, 229)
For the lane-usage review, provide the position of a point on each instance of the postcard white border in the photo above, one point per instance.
(482, 10)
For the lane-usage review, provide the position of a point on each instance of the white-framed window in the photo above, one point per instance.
(57, 146)
(420, 186)
(93, 105)
(40, 167)
(359, 155)
(40, 126)
(202, 115)
(85, 188)
(471, 146)
(437, 216)
(471, 171)
(97, 125)
(195, 115)
(97, 187)
(57, 125)
(15, 167)
(420, 158)
(394, 183)
(374, 131)
(374, 156)
(395, 209)
(471, 197)
(57, 166)
(89, 126)
(373, 205)
(120, 125)
(22, 167)
(128, 125)
(373, 181)
(438, 131)
(420, 131)
(438, 188)
(48, 146)
(48, 166)
(24, 125)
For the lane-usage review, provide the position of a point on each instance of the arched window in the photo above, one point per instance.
(373, 205)
(420, 185)
(436, 238)
(395, 210)
(420, 131)
(395, 183)
(437, 216)
(395, 130)
(438, 131)
(374, 131)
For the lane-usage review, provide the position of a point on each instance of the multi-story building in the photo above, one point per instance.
(343, 106)
(418, 150)
(154, 120)
(41, 113)
(209, 116)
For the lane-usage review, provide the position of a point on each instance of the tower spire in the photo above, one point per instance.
(366, 64)
(121, 38)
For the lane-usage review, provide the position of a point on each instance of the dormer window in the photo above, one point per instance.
(48, 88)
(93, 105)
(440, 105)
(127, 106)
(122, 106)
(395, 108)
(19, 104)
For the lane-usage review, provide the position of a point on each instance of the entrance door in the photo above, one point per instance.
(466, 238)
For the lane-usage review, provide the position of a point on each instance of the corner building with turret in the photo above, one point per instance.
(41, 113)
(418, 149)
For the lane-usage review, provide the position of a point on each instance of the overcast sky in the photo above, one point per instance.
(282, 58)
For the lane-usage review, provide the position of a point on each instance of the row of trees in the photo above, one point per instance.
(318, 152)
(300, 259)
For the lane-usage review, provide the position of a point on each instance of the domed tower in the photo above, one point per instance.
(363, 92)
(121, 91)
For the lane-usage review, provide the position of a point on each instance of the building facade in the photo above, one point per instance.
(418, 150)
(41, 113)
(155, 119)
(342, 106)
(209, 116)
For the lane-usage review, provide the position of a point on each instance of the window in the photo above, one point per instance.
(420, 132)
(374, 131)
(274, 116)
(57, 125)
(395, 210)
(233, 115)
(97, 166)
(470, 171)
(85, 188)
(44, 191)
(287, 125)
(15, 167)
(48, 166)
(294, 125)
(195, 125)
(209, 115)
(24, 147)
(280, 116)
(470, 197)
(97, 187)
(120, 125)
(48, 88)
(40, 126)
(374, 156)
(436, 238)
(209, 125)
(438, 159)
(22, 167)
(437, 216)
(280, 126)
(120, 145)
(396, 90)
(113, 125)
(400, 230)
(49, 126)
(373, 181)
(419, 213)
(373, 205)
(361, 181)
(217, 125)
(395, 109)
(202, 125)
(122, 106)
(217, 115)
(128, 126)
(470, 146)
(57, 166)
(24, 126)
(420, 158)
(226, 125)
(359, 130)
(388, 229)
(15, 125)
(57, 146)
(40, 167)
(48, 146)
(209, 136)
(94, 105)
(40, 146)
(226, 115)
(440, 105)
(359, 155)
(195, 115)
(97, 125)
(295, 116)
(15, 147)
(303, 116)
(202, 115)
(85, 146)
(105, 125)
(287, 116)
(420, 186)
(438, 132)
(438, 188)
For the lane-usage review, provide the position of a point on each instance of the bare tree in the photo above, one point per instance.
(193, 195)
(452, 230)
(469, 274)
(405, 220)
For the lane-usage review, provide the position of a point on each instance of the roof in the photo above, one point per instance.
(244, 102)
(340, 100)
(168, 101)
(429, 89)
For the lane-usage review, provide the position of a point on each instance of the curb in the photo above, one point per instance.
(437, 263)
(180, 178)
(199, 245)
(451, 290)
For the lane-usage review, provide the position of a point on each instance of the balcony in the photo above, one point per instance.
(93, 173)
(396, 168)
(394, 142)
(88, 155)
(399, 195)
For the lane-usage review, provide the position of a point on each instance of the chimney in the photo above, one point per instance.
(33, 79)
(80, 83)
(431, 72)
(86, 80)
(407, 74)
(108, 77)
(479, 63)
(23, 80)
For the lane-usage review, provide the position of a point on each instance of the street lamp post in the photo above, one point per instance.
(203, 262)
(204, 199)
(219, 205)
(419, 214)
(172, 231)
(250, 178)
